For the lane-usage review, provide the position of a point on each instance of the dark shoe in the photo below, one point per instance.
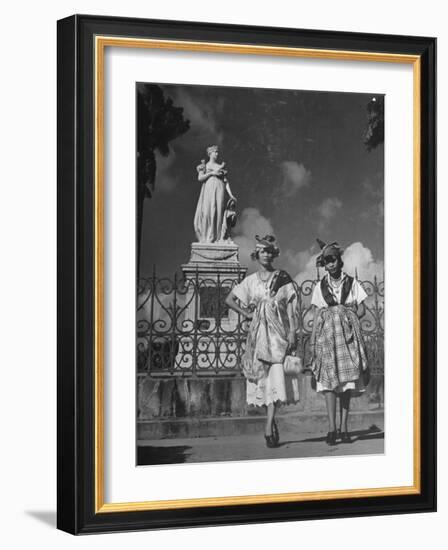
(275, 433)
(331, 438)
(345, 437)
(270, 442)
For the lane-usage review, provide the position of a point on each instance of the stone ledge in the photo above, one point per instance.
(214, 253)
(210, 270)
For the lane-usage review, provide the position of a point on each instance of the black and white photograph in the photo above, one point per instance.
(222, 237)
(260, 265)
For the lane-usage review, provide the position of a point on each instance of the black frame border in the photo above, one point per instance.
(76, 262)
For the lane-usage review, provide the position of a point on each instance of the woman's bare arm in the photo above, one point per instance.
(231, 301)
(361, 310)
(291, 315)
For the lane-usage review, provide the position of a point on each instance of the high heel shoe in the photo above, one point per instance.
(345, 437)
(331, 438)
(275, 433)
(270, 443)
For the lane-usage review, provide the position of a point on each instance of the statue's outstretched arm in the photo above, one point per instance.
(229, 191)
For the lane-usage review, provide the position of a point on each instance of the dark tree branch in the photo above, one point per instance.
(159, 122)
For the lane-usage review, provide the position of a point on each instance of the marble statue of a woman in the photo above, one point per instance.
(212, 203)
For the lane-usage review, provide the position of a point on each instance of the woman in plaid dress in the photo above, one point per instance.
(338, 350)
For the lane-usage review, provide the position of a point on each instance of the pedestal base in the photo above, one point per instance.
(211, 259)
(213, 270)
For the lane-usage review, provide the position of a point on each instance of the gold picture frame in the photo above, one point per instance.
(95, 35)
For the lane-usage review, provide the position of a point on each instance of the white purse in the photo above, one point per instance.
(292, 365)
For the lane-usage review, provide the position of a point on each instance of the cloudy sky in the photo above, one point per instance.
(297, 165)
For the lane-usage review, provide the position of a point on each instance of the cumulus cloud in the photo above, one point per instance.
(308, 271)
(327, 210)
(296, 262)
(357, 258)
(295, 176)
(250, 223)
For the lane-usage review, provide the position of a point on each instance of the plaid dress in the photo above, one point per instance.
(338, 348)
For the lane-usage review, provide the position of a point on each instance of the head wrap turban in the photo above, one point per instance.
(267, 242)
(331, 249)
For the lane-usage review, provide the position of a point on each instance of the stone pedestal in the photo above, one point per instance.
(212, 271)
(214, 258)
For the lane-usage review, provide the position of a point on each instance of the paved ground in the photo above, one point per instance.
(249, 447)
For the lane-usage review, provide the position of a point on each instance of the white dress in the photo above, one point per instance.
(266, 341)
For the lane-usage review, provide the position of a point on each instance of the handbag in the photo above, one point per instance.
(366, 376)
(292, 365)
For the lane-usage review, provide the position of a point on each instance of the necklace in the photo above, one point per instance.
(336, 283)
(267, 280)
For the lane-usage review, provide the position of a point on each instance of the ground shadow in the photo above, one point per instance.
(373, 432)
(362, 436)
(150, 454)
(44, 516)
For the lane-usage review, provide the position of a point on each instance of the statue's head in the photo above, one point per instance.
(212, 150)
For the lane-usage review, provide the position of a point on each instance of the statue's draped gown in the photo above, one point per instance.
(210, 210)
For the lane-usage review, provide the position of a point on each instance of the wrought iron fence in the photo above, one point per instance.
(185, 328)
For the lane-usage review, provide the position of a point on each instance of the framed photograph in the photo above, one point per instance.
(246, 274)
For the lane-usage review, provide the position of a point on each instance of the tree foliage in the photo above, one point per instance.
(374, 133)
(159, 122)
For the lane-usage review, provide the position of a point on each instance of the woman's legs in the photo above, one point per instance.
(344, 408)
(271, 432)
(270, 418)
(275, 393)
(330, 401)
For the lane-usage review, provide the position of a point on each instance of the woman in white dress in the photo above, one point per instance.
(266, 298)
(339, 358)
(209, 216)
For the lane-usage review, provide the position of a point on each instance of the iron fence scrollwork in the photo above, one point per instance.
(184, 327)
